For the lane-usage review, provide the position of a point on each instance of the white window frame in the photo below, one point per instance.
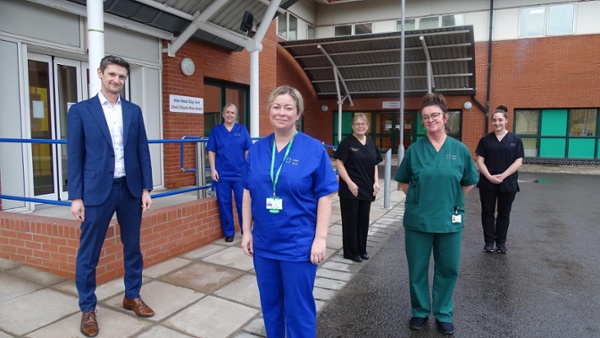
(546, 22)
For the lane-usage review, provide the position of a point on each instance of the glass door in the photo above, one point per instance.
(55, 84)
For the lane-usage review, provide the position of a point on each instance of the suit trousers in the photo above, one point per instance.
(93, 233)
(495, 228)
(446, 257)
(355, 225)
(286, 297)
(225, 204)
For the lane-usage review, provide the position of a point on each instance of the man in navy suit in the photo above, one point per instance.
(109, 171)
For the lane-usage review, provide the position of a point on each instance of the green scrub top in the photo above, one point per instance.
(435, 185)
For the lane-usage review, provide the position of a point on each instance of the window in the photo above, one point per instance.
(363, 28)
(287, 26)
(343, 30)
(354, 29)
(559, 133)
(527, 121)
(582, 122)
(311, 32)
(560, 19)
(409, 24)
(546, 20)
(432, 22)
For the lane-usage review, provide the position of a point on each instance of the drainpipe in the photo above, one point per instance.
(489, 69)
(95, 27)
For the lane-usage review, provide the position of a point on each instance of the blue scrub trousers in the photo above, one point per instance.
(446, 256)
(223, 190)
(93, 233)
(286, 297)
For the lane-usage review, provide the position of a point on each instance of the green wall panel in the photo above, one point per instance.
(581, 148)
(554, 122)
(346, 125)
(552, 147)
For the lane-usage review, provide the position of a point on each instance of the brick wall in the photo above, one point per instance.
(51, 244)
(216, 63)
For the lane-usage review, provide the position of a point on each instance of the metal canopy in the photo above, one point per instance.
(369, 65)
(175, 16)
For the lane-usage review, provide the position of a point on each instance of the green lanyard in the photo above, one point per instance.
(287, 151)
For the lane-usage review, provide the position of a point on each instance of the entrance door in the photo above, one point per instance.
(386, 131)
(54, 85)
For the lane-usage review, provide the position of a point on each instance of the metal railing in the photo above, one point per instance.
(200, 184)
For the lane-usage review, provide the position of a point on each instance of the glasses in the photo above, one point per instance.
(432, 117)
(360, 124)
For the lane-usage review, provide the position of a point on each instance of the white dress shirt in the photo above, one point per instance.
(114, 120)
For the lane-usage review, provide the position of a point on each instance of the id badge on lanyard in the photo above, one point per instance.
(274, 203)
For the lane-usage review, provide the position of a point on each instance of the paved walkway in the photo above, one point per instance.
(208, 292)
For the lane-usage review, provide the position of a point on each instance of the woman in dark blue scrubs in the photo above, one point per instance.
(288, 188)
(227, 147)
(499, 156)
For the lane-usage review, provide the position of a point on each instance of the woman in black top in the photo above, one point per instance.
(357, 157)
(499, 156)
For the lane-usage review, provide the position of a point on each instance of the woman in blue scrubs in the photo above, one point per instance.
(436, 174)
(288, 188)
(227, 147)
(499, 157)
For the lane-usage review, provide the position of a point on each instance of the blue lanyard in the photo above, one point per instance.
(287, 151)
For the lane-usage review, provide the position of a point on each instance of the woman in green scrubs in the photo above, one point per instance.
(436, 174)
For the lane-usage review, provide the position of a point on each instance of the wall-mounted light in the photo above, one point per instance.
(188, 67)
(468, 105)
(324, 107)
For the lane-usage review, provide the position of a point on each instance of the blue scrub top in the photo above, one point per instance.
(306, 176)
(229, 147)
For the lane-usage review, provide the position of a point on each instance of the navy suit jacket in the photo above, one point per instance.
(91, 161)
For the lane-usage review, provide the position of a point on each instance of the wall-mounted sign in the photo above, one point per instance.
(390, 104)
(186, 104)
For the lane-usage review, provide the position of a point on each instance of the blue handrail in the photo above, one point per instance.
(182, 141)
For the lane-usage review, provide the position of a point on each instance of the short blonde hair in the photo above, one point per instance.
(291, 91)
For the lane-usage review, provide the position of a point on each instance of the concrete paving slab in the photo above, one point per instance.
(5, 335)
(334, 274)
(335, 230)
(155, 295)
(335, 241)
(158, 331)
(330, 284)
(110, 323)
(5, 264)
(36, 276)
(244, 334)
(13, 287)
(212, 317)
(256, 327)
(232, 257)
(323, 294)
(242, 290)
(202, 252)
(165, 267)
(347, 266)
(35, 310)
(203, 277)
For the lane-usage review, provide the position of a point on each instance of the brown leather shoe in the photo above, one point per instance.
(138, 306)
(89, 325)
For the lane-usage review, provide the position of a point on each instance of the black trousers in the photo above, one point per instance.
(355, 225)
(495, 228)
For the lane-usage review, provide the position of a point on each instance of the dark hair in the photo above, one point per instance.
(434, 100)
(113, 60)
(501, 109)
